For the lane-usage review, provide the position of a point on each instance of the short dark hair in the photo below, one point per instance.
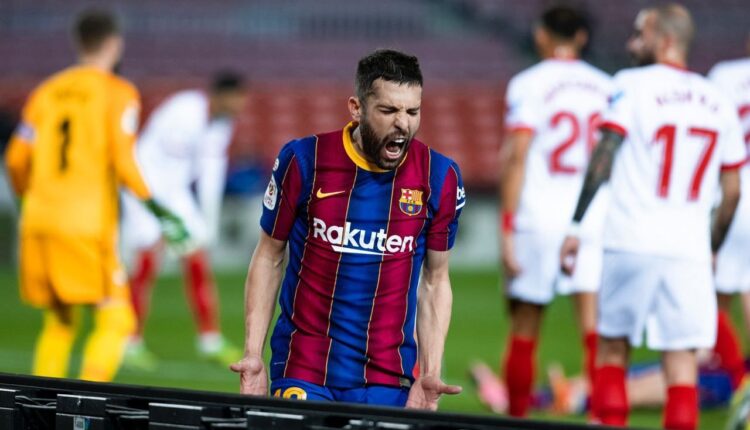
(389, 65)
(227, 80)
(564, 21)
(94, 26)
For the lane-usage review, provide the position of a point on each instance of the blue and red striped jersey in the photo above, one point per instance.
(357, 238)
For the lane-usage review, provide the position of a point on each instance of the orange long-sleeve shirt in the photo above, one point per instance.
(73, 150)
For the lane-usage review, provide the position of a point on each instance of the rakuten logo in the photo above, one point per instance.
(350, 240)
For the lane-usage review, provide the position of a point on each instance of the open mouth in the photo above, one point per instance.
(393, 149)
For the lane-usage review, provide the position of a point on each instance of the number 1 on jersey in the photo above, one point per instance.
(667, 133)
(65, 133)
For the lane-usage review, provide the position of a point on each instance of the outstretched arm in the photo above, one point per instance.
(598, 172)
(261, 287)
(433, 318)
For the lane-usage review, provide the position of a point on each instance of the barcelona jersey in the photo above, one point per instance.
(357, 238)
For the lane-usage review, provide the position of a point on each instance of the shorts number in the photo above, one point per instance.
(592, 123)
(64, 147)
(666, 134)
(291, 393)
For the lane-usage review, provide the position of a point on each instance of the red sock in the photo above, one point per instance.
(146, 266)
(609, 399)
(681, 410)
(590, 340)
(728, 349)
(201, 291)
(519, 374)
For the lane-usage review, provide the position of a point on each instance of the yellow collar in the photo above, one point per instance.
(355, 156)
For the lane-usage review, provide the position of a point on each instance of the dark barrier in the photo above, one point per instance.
(33, 403)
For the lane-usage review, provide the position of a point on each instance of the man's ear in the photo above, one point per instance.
(355, 108)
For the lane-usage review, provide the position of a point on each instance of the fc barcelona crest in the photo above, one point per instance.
(410, 202)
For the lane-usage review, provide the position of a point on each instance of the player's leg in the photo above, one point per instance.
(745, 300)
(114, 322)
(527, 294)
(727, 346)
(201, 287)
(201, 291)
(628, 289)
(146, 266)
(142, 237)
(59, 326)
(609, 399)
(732, 276)
(519, 365)
(585, 306)
(681, 377)
(55, 341)
(683, 320)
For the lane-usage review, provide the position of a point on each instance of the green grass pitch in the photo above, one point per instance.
(478, 332)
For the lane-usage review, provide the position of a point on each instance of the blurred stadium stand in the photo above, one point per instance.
(301, 57)
(41, 403)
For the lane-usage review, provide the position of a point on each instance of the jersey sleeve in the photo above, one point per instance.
(442, 231)
(124, 127)
(733, 149)
(19, 152)
(620, 115)
(282, 195)
(520, 110)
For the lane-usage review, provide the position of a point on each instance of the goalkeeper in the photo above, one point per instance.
(67, 158)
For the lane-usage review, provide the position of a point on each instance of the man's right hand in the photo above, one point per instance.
(253, 376)
(508, 259)
(569, 254)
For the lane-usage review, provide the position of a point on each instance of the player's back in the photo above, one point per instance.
(72, 186)
(561, 102)
(680, 132)
(180, 132)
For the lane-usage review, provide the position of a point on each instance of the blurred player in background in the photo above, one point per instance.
(733, 259)
(69, 155)
(184, 144)
(367, 211)
(552, 118)
(678, 138)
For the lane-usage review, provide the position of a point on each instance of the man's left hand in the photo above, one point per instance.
(426, 391)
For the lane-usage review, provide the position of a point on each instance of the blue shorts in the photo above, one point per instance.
(289, 388)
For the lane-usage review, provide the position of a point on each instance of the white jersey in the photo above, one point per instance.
(732, 263)
(733, 77)
(680, 133)
(181, 145)
(561, 103)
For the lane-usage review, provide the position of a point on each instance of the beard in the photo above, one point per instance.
(374, 146)
(645, 58)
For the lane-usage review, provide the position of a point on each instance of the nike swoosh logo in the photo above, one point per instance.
(321, 195)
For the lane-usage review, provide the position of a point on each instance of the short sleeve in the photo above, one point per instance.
(620, 114)
(444, 226)
(282, 195)
(520, 110)
(733, 149)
